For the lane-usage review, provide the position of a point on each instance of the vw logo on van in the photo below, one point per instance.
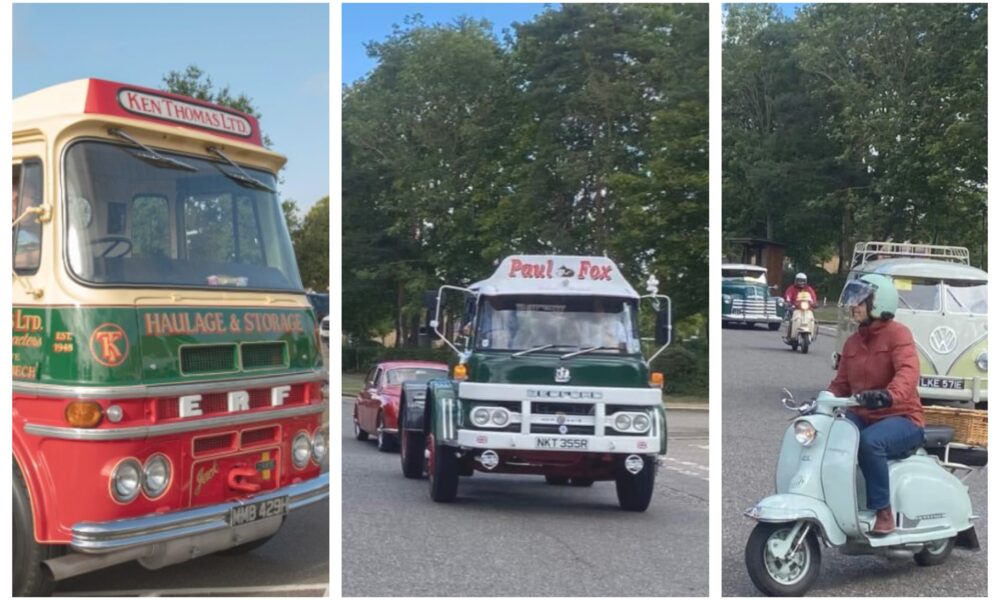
(562, 375)
(943, 339)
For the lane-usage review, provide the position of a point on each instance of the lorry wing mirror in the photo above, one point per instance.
(663, 327)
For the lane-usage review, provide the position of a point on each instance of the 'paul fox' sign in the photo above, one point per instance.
(547, 269)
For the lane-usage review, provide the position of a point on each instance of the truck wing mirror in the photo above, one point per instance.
(663, 327)
(664, 324)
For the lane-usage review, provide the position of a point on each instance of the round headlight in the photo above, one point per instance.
(481, 416)
(726, 298)
(114, 413)
(803, 305)
(640, 423)
(500, 417)
(156, 476)
(319, 446)
(126, 480)
(623, 422)
(805, 433)
(981, 361)
(301, 449)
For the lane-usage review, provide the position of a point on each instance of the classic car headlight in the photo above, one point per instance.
(319, 445)
(779, 301)
(126, 480)
(640, 423)
(156, 475)
(981, 361)
(481, 416)
(805, 433)
(726, 298)
(301, 449)
(623, 422)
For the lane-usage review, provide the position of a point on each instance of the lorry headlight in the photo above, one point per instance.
(126, 480)
(481, 416)
(640, 423)
(623, 422)
(500, 417)
(805, 433)
(301, 449)
(319, 445)
(156, 476)
(981, 361)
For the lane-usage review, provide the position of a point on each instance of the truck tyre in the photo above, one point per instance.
(411, 449)
(935, 553)
(442, 470)
(384, 442)
(30, 576)
(556, 480)
(635, 491)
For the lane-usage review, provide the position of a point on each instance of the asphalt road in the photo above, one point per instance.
(757, 366)
(516, 536)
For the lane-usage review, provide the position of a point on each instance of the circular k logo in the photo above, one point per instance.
(109, 345)
(943, 339)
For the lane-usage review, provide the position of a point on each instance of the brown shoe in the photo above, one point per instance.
(884, 522)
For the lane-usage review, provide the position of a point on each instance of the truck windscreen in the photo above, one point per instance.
(515, 323)
(133, 221)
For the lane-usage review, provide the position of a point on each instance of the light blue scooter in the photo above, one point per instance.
(820, 490)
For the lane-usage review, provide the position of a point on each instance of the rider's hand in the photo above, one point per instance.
(874, 399)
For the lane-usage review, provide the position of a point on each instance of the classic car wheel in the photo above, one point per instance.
(581, 482)
(30, 577)
(383, 441)
(781, 576)
(935, 553)
(359, 434)
(556, 480)
(411, 453)
(442, 470)
(636, 490)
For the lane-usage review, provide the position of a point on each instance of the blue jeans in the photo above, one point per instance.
(882, 441)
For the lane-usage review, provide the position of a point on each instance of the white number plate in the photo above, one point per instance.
(560, 443)
(255, 511)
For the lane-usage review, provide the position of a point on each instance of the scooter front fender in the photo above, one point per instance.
(788, 508)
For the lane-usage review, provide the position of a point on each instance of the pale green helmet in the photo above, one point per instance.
(885, 298)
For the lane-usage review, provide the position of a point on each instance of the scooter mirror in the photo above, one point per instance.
(788, 400)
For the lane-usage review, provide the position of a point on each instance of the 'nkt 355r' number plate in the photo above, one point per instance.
(255, 511)
(560, 443)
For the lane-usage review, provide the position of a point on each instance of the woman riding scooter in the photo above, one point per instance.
(879, 365)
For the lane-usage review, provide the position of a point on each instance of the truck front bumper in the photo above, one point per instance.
(489, 440)
(111, 536)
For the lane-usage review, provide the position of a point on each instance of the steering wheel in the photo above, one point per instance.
(116, 240)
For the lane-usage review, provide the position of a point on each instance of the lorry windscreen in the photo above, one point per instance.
(135, 222)
(516, 323)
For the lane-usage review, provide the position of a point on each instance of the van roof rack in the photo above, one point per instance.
(865, 252)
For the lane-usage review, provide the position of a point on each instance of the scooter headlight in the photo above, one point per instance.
(982, 362)
(803, 305)
(805, 433)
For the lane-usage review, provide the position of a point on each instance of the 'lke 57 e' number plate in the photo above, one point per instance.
(255, 511)
(557, 443)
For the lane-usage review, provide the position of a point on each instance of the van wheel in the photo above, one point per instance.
(636, 491)
(442, 470)
(935, 553)
(775, 576)
(30, 576)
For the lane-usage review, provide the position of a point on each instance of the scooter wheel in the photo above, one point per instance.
(805, 345)
(935, 553)
(777, 576)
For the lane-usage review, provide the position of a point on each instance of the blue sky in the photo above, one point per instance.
(276, 54)
(366, 22)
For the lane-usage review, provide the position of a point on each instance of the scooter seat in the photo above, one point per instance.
(938, 436)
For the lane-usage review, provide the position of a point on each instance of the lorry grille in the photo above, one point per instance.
(259, 437)
(264, 356)
(214, 444)
(208, 359)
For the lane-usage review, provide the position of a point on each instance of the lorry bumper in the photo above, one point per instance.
(488, 440)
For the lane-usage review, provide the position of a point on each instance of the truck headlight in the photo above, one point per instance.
(640, 423)
(126, 480)
(301, 449)
(981, 361)
(623, 422)
(319, 445)
(500, 417)
(481, 416)
(805, 433)
(156, 476)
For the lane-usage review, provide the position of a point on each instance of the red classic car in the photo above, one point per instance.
(377, 406)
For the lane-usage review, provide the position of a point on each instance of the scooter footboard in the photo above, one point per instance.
(786, 508)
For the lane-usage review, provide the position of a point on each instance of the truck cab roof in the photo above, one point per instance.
(556, 275)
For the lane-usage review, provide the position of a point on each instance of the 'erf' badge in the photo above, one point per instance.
(109, 344)
(562, 375)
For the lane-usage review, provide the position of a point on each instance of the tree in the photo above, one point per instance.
(195, 83)
(312, 246)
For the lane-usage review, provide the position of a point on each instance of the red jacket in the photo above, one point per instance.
(881, 356)
(792, 291)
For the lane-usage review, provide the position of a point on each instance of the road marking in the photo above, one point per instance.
(686, 472)
(264, 590)
(699, 446)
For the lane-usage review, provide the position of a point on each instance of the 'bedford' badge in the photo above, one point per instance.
(562, 375)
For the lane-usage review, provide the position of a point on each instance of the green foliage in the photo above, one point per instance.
(195, 83)
(855, 122)
(358, 359)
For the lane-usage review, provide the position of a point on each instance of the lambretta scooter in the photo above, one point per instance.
(802, 327)
(820, 490)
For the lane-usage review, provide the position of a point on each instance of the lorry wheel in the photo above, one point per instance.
(773, 326)
(442, 470)
(581, 482)
(635, 491)
(30, 576)
(556, 480)
(411, 454)
(935, 553)
(359, 434)
(776, 576)
(384, 442)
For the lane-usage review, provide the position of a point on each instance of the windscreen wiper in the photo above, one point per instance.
(538, 348)
(957, 301)
(151, 155)
(240, 176)
(586, 350)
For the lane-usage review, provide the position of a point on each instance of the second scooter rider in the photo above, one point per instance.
(879, 365)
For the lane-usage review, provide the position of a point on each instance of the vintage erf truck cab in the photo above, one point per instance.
(747, 299)
(943, 300)
(550, 381)
(168, 389)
